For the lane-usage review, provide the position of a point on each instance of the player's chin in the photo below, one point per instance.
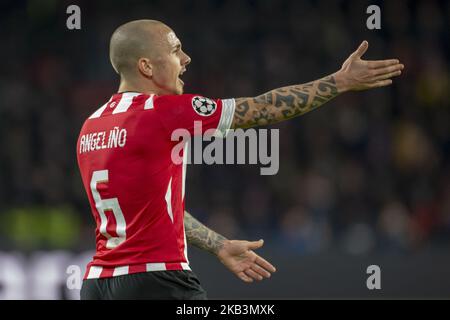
(179, 87)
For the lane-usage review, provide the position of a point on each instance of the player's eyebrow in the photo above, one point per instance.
(177, 46)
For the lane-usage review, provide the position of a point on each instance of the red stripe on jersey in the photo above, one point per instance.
(174, 266)
(115, 100)
(138, 102)
(107, 272)
(137, 268)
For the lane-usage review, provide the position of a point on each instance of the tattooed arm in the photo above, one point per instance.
(291, 101)
(237, 255)
(283, 103)
(201, 236)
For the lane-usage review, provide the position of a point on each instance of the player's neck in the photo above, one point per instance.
(127, 86)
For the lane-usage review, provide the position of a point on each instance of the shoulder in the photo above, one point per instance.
(198, 103)
(176, 99)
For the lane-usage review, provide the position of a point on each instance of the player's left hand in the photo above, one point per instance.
(357, 74)
(238, 256)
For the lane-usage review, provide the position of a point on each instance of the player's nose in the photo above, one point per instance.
(186, 59)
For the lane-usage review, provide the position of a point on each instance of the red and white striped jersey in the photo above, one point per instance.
(135, 190)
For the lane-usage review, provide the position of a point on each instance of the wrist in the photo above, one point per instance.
(221, 247)
(341, 83)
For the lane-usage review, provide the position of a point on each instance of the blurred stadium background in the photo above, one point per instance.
(364, 180)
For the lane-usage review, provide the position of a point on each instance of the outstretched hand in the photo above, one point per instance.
(238, 256)
(357, 74)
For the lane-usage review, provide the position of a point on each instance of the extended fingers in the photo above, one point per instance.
(244, 277)
(255, 272)
(387, 70)
(262, 272)
(258, 270)
(253, 275)
(382, 83)
(388, 75)
(375, 64)
(263, 263)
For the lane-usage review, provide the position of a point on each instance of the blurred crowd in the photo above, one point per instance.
(368, 171)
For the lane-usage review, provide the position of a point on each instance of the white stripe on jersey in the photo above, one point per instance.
(94, 272)
(183, 184)
(185, 160)
(185, 245)
(169, 200)
(119, 271)
(185, 266)
(99, 112)
(226, 118)
(156, 266)
(149, 102)
(125, 102)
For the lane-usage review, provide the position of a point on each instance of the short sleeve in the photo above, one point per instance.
(195, 113)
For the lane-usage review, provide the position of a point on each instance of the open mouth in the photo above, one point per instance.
(180, 74)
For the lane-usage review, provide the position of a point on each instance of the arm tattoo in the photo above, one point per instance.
(283, 103)
(201, 236)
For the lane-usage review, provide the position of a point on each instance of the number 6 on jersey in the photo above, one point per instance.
(103, 205)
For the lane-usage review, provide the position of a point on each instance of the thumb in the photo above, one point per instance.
(361, 50)
(255, 244)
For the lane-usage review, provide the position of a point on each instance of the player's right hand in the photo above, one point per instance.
(357, 74)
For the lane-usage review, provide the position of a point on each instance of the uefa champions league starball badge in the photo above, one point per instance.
(203, 106)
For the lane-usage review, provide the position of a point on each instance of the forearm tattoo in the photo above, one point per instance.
(283, 103)
(201, 236)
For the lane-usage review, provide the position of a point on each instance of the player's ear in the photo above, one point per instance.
(145, 67)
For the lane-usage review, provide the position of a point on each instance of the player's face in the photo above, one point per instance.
(171, 64)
